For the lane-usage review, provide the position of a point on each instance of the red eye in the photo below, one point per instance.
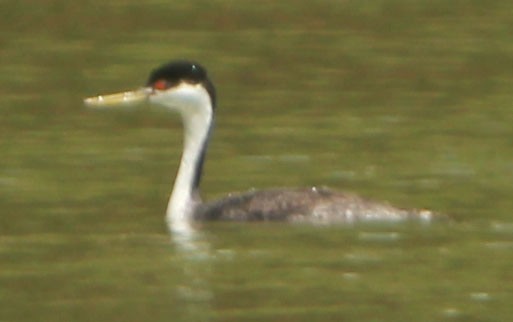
(160, 84)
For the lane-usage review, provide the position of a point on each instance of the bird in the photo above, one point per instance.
(184, 87)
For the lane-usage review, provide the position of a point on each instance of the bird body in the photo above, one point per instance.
(302, 205)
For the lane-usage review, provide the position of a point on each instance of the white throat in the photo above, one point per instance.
(195, 107)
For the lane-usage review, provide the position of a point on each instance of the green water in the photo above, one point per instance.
(405, 101)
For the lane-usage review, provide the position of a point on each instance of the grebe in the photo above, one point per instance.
(184, 87)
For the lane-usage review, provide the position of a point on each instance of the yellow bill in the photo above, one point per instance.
(118, 99)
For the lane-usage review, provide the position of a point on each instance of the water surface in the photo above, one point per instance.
(408, 102)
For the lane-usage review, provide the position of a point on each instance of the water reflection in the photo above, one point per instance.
(194, 257)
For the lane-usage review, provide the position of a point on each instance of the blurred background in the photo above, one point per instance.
(403, 101)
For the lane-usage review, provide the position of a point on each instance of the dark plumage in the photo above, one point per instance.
(178, 71)
(314, 205)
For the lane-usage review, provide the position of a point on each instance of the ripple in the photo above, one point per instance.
(379, 237)
(351, 276)
(502, 227)
(500, 245)
(452, 312)
(362, 258)
(480, 296)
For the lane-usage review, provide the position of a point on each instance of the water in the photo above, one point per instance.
(401, 101)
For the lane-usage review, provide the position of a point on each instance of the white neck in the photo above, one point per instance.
(197, 116)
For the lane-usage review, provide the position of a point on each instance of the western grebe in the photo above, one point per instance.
(184, 87)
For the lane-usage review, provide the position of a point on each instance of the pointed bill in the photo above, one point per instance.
(129, 98)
